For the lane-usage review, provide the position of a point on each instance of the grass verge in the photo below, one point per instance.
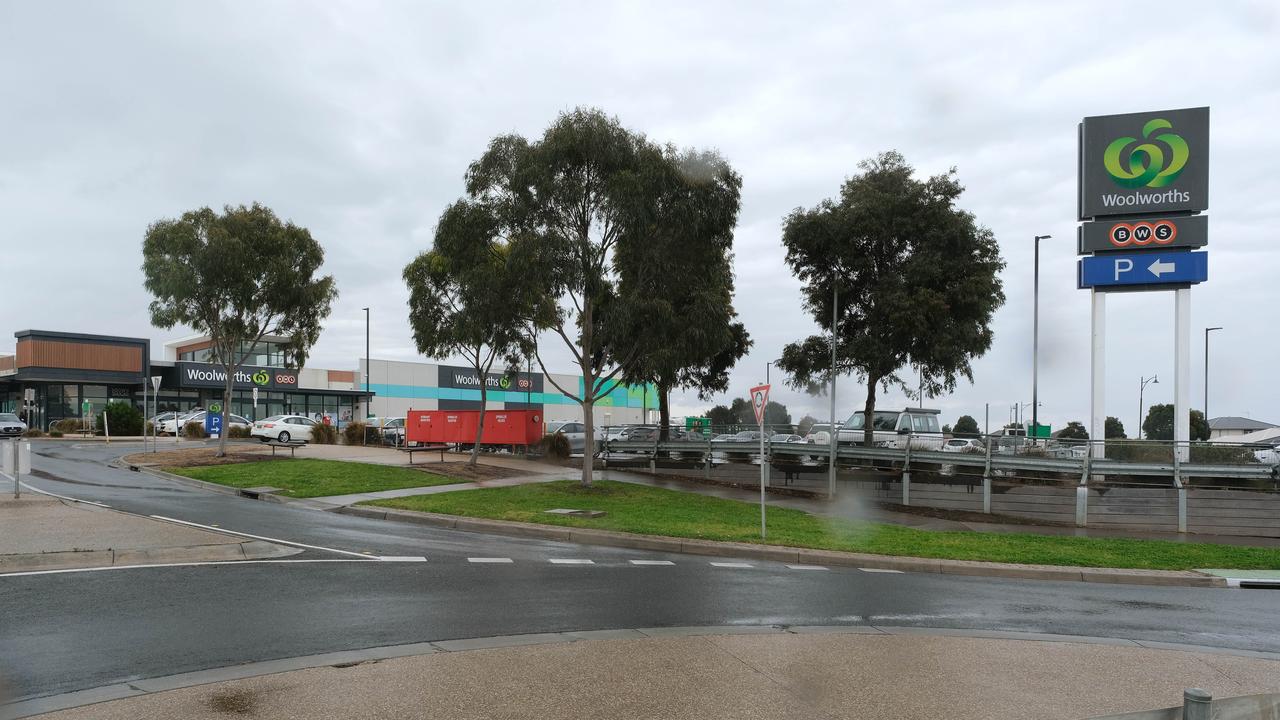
(308, 478)
(658, 511)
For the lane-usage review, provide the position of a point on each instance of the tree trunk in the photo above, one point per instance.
(226, 410)
(869, 412)
(588, 440)
(484, 398)
(588, 395)
(664, 414)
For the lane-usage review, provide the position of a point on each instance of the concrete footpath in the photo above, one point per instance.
(737, 673)
(41, 532)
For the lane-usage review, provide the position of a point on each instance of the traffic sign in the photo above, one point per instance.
(213, 423)
(255, 397)
(759, 400)
(1151, 162)
(1115, 270)
(1149, 233)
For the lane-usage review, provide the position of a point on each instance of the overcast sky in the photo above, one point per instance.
(358, 119)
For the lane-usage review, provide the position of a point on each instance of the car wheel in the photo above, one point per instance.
(284, 436)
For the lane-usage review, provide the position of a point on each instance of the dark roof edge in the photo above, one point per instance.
(81, 336)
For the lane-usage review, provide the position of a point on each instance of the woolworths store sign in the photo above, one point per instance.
(1144, 163)
(205, 375)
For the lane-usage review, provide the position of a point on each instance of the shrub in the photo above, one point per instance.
(238, 432)
(322, 434)
(33, 433)
(353, 432)
(193, 431)
(68, 425)
(55, 433)
(555, 445)
(122, 419)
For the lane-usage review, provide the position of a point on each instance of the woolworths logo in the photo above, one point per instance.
(1155, 161)
(505, 382)
(262, 377)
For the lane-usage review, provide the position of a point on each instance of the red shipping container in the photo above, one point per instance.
(501, 427)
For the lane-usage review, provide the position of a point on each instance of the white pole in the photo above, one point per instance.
(1182, 373)
(1097, 374)
(145, 381)
(762, 471)
(831, 460)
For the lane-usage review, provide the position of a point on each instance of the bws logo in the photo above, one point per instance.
(1140, 234)
(280, 379)
(1155, 163)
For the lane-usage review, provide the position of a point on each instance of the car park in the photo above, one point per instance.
(232, 420)
(972, 445)
(11, 425)
(392, 430)
(576, 433)
(283, 428)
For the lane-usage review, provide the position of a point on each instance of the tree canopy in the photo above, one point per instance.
(1075, 430)
(1159, 423)
(466, 299)
(679, 273)
(966, 427)
(1113, 428)
(237, 276)
(917, 280)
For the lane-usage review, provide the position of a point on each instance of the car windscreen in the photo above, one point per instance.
(9, 417)
(882, 421)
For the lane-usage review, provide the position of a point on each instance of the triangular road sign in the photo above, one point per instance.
(759, 399)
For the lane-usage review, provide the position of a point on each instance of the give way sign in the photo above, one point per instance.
(759, 399)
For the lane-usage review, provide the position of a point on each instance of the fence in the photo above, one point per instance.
(1198, 704)
(1145, 485)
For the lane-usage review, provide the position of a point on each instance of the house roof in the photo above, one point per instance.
(1231, 422)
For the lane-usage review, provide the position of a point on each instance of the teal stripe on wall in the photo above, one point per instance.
(618, 398)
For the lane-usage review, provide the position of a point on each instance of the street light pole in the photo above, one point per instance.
(1035, 340)
(1206, 377)
(1154, 380)
(835, 440)
(368, 403)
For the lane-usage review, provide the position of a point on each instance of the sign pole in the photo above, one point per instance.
(1097, 375)
(1182, 374)
(759, 401)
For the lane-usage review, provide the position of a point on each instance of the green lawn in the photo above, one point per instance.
(314, 478)
(657, 511)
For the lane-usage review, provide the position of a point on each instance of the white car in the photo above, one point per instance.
(11, 425)
(894, 428)
(973, 445)
(1268, 456)
(174, 423)
(171, 426)
(283, 428)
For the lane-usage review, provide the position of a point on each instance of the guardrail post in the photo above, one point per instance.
(1197, 704)
(1182, 493)
(653, 459)
(1082, 494)
(706, 461)
(906, 475)
(986, 481)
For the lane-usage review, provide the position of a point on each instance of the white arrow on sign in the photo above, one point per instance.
(1160, 267)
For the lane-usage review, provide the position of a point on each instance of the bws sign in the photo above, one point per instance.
(1153, 162)
(1139, 233)
(204, 375)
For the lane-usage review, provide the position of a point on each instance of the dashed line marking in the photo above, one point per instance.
(572, 561)
(881, 570)
(480, 560)
(807, 567)
(731, 565)
(651, 562)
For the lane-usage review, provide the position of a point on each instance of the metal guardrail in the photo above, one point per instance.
(1077, 467)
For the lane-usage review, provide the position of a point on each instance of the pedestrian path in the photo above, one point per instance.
(354, 498)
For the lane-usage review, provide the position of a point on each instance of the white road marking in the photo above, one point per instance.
(400, 558)
(64, 571)
(652, 562)
(571, 561)
(807, 567)
(268, 539)
(62, 497)
(881, 570)
(731, 565)
(489, 560)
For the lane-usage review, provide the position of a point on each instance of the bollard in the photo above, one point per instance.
(706, 465)
(1197, 704)
(906, 476)
(986, 481)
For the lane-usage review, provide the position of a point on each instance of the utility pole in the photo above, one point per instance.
(1035, 341)
(835, 443)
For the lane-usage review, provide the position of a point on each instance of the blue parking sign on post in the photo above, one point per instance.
(1119, 270)
(213, 423)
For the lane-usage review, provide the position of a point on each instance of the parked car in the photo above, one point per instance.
(786, 438)
(173, 425)
(162, 418)
(820, 434)
(1268, 456)
(895, 428)
(576, 433)
(11, 425)
(284, 428)
(393, 431)
(964, 445)
(232, 420)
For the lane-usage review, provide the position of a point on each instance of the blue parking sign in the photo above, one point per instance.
(213, 423)
(1114, 270)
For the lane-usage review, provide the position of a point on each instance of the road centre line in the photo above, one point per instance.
(651, 562)
(489, 560)
(731, 565)
(210, 528)
(571, 561)
(807, 567)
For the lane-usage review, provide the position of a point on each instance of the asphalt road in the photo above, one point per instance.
(64, 632)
